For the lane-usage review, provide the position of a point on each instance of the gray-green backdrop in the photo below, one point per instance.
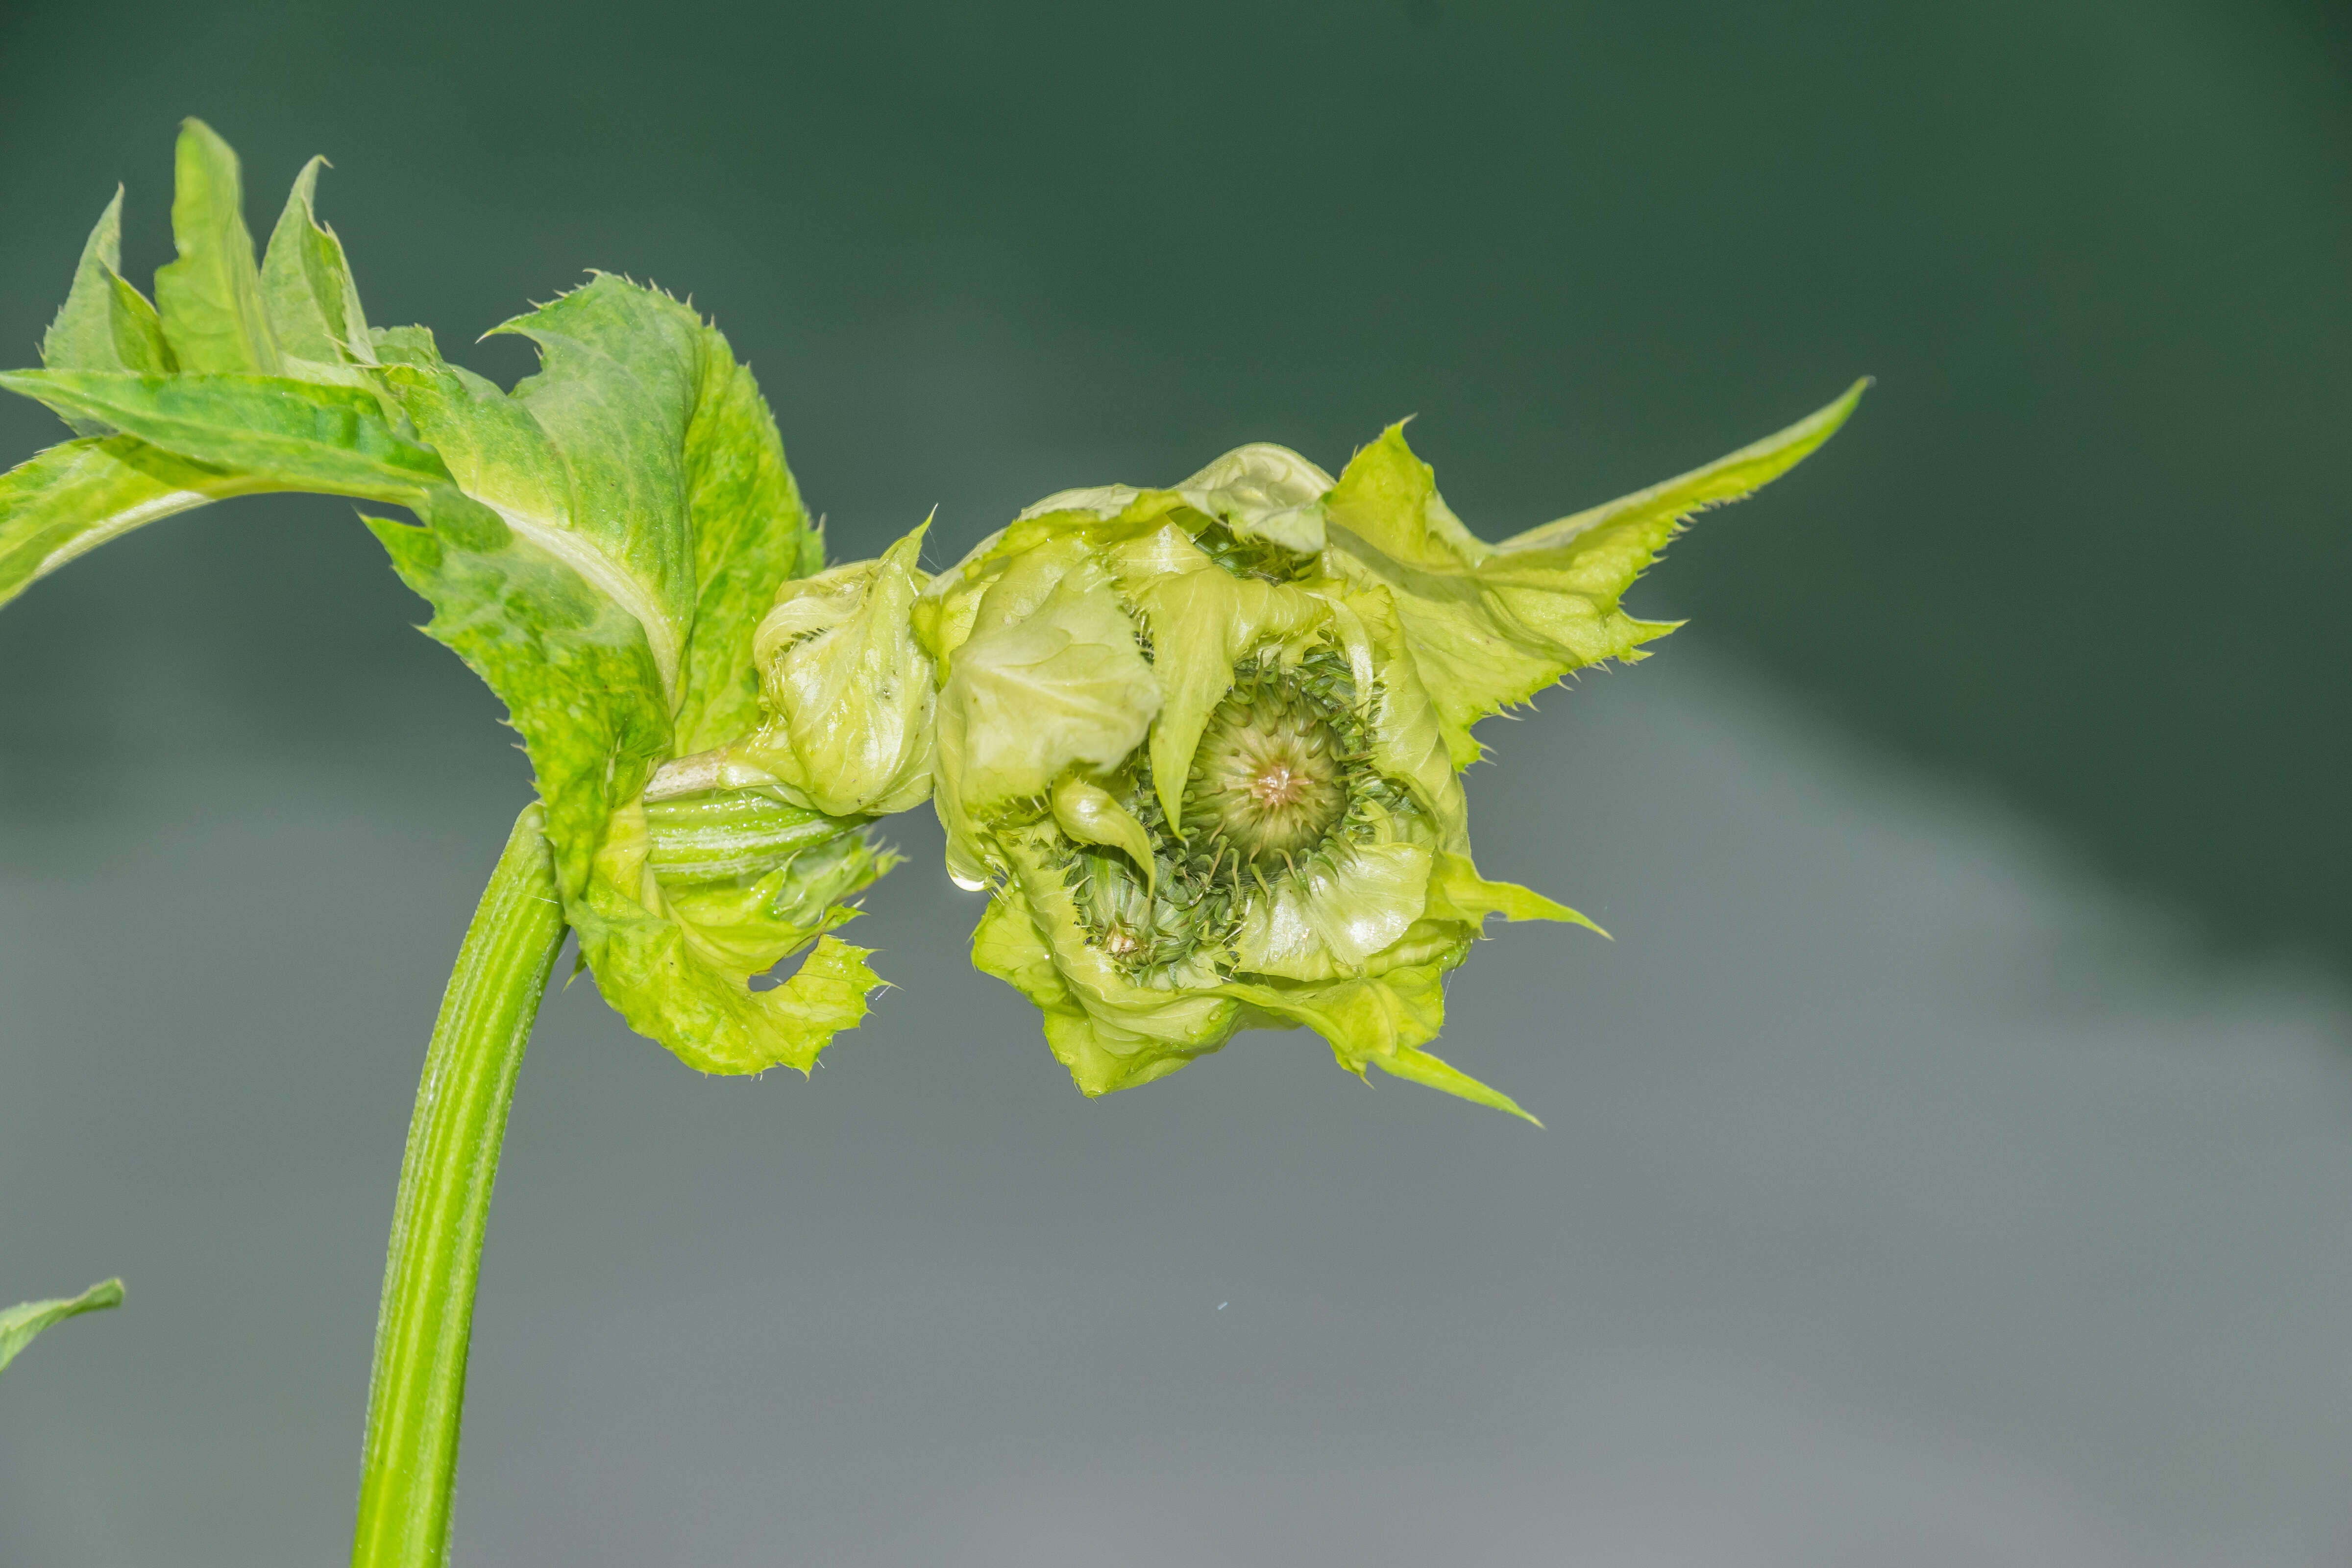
(1948, 1162)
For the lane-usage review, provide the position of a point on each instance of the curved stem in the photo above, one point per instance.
(418, 1397)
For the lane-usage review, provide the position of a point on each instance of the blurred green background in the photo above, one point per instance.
(1948, 1163)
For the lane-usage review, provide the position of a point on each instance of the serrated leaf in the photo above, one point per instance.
(1726, 479)
(210, 299)
(573, 668)
(614, 395)
(105, 323)
(20, 1324)
(751, 534)
(308, 296)
(598, 546)
(572, 665)
(675, 950)
(1491, 625)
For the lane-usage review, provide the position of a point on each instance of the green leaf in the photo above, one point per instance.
(751, 534)
(1088, 813)
(105, 323)
(1264, 492)
(280, 433)
(1382, 1023)
(1419, 1067)
(1409, 740)
(606, 468)
(1388, 498)
(620, 373)
(632, 438)
(210, 299)
(1457, 891)
(1260, 491)
(571, 666)
(308, 296)
(20, 1324)
(600, 545)
(69, 500)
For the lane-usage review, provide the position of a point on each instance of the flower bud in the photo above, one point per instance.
(847, 690)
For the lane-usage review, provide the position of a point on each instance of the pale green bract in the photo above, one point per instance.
(599, 544)
(846, 689)
(1203, 744)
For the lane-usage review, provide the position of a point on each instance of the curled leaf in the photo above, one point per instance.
(693, 899)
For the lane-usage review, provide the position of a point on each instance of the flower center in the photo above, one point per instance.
(1282, 769)
(1268, 779)
(1278, 786)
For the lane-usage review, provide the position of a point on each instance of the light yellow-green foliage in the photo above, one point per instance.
(600, 544)
(1334, 640)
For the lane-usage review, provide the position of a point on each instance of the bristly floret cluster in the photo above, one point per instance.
(1282, 779)
(1259, 558)
(1285, 761)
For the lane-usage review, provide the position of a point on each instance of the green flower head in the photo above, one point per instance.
(1203, 744)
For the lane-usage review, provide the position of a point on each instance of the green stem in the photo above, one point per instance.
(418, 1398)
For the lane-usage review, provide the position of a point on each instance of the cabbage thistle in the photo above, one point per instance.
(1204, 742)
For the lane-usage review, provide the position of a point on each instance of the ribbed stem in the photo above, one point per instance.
(416, 1400)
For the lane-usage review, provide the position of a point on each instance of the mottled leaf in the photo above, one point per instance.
(69, 500)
